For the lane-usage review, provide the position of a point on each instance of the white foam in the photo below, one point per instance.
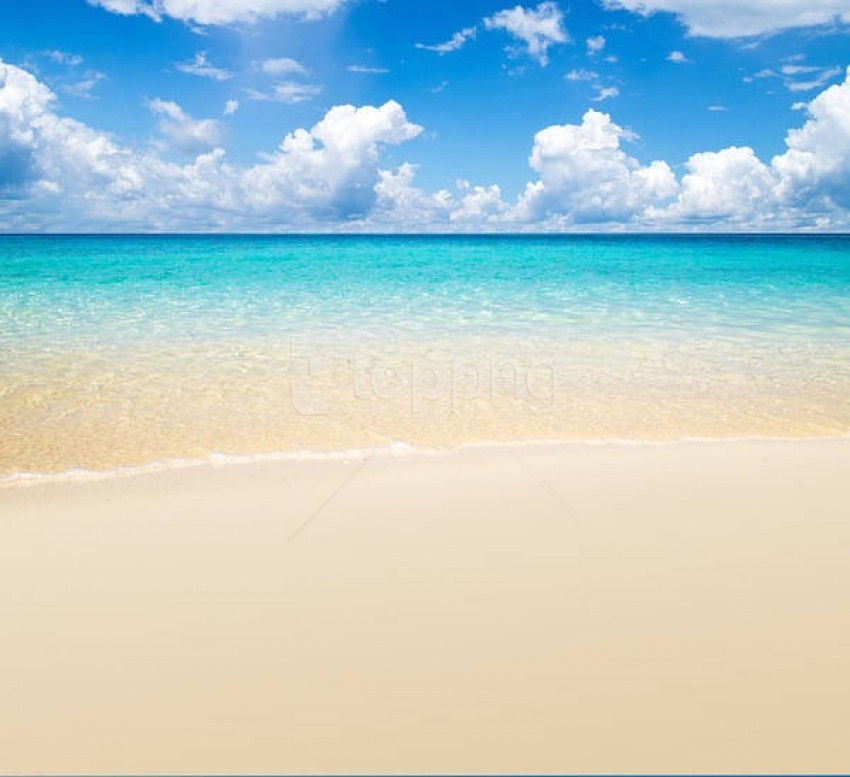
(394, 449)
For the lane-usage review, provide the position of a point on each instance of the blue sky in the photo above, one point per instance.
(169, 114)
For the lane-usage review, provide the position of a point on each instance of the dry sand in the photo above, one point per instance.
(671, 607)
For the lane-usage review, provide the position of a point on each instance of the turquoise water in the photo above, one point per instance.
(92, 290)
(98, 335)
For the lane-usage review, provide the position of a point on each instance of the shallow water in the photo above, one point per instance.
(121, 351)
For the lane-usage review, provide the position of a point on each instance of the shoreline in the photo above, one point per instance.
(216, 460)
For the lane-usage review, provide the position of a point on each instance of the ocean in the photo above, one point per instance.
(128, 351)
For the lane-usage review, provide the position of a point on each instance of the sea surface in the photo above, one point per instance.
(126, 351)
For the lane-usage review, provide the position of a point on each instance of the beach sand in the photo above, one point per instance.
(576, 607)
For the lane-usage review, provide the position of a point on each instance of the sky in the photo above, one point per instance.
(424, 115)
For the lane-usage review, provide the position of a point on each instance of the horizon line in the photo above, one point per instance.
(427, 234)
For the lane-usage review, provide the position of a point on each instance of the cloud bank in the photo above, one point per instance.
(57, 174)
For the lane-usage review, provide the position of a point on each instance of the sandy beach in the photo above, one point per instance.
(424, 388)
(582, 607)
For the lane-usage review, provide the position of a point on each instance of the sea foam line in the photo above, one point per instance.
(394, 449)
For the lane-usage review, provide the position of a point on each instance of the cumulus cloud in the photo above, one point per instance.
(470, 208)
(586, 177)
(182, 132)
(538, 28)
(51, 162)
(230, 107)
(733, 19)
(480, 206)
(219, 11)
(677, 58)
(815, 170)
(732, 184)
(807, 182)
(330, 171)
(400, 202)
(22, 101)
(57, 173)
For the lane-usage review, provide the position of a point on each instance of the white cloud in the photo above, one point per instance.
(537, 28)
(605, 93)
(230, 107)
(281, 66)
(83, 87)
(457, 41)
(128, 7)
(677, 58)
(329, 171)
(810, 179)
(595, 44)
(795, 70)
(799, 78)
(480, 206)
(201, 66)
(219, 11)
(583, 75)
(67, 76)
(586, 177)
(367, 70)
(52, 163)
(815, 170)
(592, 77)
(64, 58)
(814, 81)
(731, 184)
(733, 18)
(182, 132)
(290, 92)
(400, 202)
(57, 173)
